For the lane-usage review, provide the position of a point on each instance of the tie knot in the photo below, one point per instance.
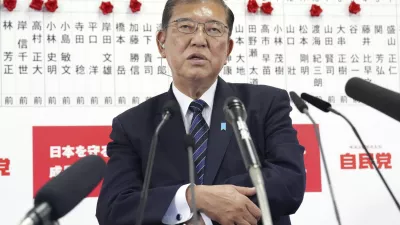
(197, 106)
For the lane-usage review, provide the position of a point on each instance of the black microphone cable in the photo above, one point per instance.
(303, 108)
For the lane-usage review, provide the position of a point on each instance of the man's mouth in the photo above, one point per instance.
(196, 56)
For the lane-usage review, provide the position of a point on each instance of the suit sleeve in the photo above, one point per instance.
(283, 167)
(120, 193)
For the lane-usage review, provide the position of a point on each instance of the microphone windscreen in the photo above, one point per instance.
(189, 141)
(71, 186)
(234, 108)
(319, 103)
(379, 98)
(232, 101)
(171, 106)
(298, 102)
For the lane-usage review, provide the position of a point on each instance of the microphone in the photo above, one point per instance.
(326, 107)
(379, 98)
(65, 191)
(170, 108)
(189, 145)
(235, 114)
(303, 108)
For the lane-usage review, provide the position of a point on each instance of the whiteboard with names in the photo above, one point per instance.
(83, 58)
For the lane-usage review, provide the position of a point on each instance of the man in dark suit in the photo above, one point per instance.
(195, 40)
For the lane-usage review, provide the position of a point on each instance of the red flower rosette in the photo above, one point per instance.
(252, 6)
(315, 10)
(135, 5)
(10, 4)
(354, 8)
(106, 7)
(51, 5)
(266, 8)
(36, 4)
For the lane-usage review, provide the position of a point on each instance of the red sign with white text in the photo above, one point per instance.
(57, 147)
(308, 139)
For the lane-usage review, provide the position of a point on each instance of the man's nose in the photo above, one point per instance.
(199, 36)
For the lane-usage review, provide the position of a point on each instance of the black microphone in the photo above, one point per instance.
(189, 145)
(326, 107)
(384, 100)
(235, 114)
(303, 108)
(170, 108)
(65, 191)
(299, 103)
(317, 102)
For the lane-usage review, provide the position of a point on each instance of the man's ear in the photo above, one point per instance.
(160, 43)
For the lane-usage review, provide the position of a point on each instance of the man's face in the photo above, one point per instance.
(196, 56)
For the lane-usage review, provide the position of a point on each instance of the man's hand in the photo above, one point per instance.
(227, 204)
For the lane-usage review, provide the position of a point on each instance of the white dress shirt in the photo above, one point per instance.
(179, 210)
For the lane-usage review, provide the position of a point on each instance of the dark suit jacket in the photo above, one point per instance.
(269, 124)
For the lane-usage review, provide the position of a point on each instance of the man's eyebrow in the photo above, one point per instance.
(186, 18)
(182, 19)
(215, 21)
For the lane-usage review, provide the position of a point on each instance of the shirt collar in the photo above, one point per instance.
(184, 100)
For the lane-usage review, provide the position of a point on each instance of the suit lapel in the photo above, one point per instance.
(218, 138)
(171, 138)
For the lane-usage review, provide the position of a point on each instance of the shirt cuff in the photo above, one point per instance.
(179, 210)
(206, 219)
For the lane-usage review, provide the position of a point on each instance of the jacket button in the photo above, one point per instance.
(178, 217)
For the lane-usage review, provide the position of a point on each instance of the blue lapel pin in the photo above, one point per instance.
(223, 126)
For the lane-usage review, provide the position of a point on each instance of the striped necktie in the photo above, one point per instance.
(199, 131)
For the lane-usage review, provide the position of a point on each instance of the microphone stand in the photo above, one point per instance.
(253, 168)
(305, 111)
(149, 167)
(235, 114)
(192, 183)
(256, 177)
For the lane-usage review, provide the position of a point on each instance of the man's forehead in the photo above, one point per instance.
(200, 12)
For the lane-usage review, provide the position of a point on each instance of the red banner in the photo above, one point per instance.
(57, 147)
(307, 138)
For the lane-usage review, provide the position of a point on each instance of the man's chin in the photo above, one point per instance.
(200, 75)
(200, 79)
(196, 73)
